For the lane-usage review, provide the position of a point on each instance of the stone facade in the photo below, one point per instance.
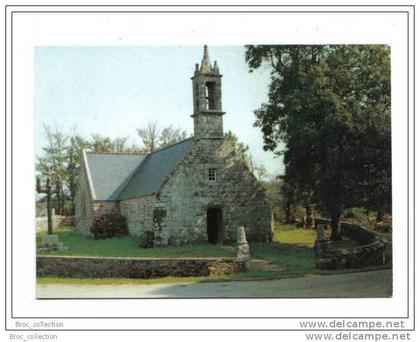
(139, 213)
(188, 195)
(90, 267)
(177, 213)
(83, 204)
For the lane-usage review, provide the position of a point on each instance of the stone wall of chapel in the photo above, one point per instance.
(188, 193)
(83, 205)
(138, 213)
(86, 208)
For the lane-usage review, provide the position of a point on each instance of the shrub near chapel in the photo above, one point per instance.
(146, 239)
(108, 226)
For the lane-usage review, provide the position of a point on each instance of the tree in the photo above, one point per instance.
(54, 162)
(119, 145)
(100, 143)
(47, 190)
(153, 138)
(288, 193)
(258, 170)
(240, 148)
(330, 105)
(274, 195)
(149, 136)
(245, 155)
(170, 135)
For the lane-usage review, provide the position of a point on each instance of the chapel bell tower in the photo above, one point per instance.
(207, 95)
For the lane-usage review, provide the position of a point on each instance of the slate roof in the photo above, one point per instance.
(154, 169)
(122, 176)
(110, 173)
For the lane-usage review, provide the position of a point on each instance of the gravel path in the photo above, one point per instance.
(361, 284)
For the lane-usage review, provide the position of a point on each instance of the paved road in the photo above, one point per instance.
(362, 284)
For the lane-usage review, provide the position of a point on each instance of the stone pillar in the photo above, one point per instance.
(242, 251)
(322, 248)
(320, 232)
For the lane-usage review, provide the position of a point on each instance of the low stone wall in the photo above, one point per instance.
(358, 233)
(94, 267)
(369, 252)
(58, 221)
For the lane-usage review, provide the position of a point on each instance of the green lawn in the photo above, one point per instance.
(290, 254)
(289, 234)
(127, 246)
(291, 248)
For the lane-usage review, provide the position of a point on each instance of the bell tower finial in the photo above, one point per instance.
(205, 62)
(207, 96)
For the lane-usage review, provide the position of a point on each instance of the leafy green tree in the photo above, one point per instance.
(119, 145)
(245, 155)
(53, 162)
(170, 135)
(99, 143)
(274, 195)
(240, 148)
(330, 105)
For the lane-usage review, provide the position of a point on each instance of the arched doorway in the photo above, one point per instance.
(215, 225)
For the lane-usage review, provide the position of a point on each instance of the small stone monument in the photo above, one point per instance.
(50, 241)
(242, 251)
(322, 246)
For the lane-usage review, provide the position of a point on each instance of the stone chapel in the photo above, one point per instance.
(194, 191)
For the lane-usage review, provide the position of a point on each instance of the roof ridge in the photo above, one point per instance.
(140, 153)
(163, 148)
(120, 153)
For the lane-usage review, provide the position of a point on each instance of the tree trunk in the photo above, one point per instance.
(62, 201)
(72, 199)
(57, 201)
(49, 209)
(380, 215)
(287, 213)
(310, 222)
(336, 225)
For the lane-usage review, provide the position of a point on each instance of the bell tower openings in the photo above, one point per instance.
(207, 97)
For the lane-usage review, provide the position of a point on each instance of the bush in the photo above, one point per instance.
(146, 239)
(359, 216)
(108, 226)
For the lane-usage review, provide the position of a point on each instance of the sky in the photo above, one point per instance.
(115, 90)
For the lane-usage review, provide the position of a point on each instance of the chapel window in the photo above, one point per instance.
(212, 174)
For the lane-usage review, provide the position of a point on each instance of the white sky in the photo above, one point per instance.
(114, 90)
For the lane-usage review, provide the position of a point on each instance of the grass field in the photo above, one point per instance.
(127, 246)
(290, 254)
(291, 251)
